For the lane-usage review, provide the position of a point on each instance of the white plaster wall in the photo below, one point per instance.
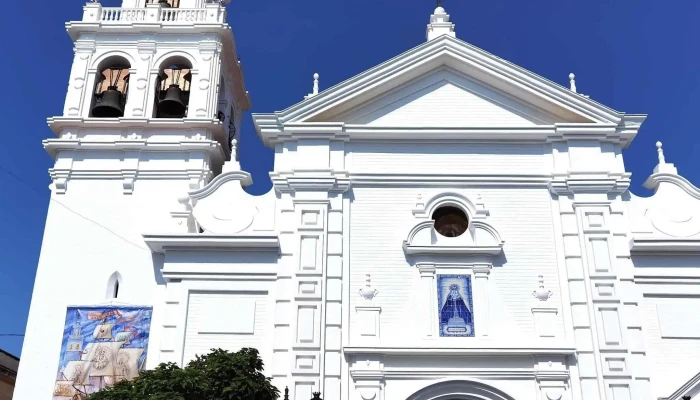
(444, 97)
(217, 299)
(673, 341)
(456, 158)
(77, 258)
(235, 309)
(380, 221)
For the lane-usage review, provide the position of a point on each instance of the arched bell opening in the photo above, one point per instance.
(173, 89)
(165, 3)
(111, 89)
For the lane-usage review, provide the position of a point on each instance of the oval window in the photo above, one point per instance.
(450, 221)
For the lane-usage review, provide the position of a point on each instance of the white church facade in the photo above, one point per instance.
(446, 225)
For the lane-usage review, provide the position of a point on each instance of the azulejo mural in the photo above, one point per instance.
(455, 305)
(101, 346)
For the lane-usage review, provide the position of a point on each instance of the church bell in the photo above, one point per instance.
(172, 102)
(110, 105)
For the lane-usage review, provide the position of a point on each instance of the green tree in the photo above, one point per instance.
(219, 375)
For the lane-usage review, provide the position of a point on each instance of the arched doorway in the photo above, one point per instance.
(459, 390)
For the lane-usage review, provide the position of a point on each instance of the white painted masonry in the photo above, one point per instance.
(581, 290)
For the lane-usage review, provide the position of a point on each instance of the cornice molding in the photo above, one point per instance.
(272, 131)
(59, 124)
(654, 180)
(161, 243)
(244, 177)
(128, 176)
(447, 180)
(474, 348)
(590, 182)
(453, 246)
(212, 147)
(321, 180)
(466, 56)
(665, 245)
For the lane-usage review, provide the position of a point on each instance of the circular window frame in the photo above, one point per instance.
(452, 217)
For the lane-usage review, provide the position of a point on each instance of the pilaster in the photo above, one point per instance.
(313, 229)
(138, 101)
(481, 282)
(367, 374)
(428, 294)
(80, 86)
(611, 358)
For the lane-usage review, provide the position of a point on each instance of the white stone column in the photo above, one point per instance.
(482, 324)
(429, 302)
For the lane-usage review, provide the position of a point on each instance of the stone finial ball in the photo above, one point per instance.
(439, 10)
(658, 145)
(572, 76)
(316, 75)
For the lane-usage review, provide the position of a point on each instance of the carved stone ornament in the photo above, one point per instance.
(541, 293)
(368, 394)
(223, 207)
(554, 393)
(480, 238)
(368, 292)
(676, 221)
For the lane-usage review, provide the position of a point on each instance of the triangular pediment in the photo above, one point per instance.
(445, 98)
(454, 87)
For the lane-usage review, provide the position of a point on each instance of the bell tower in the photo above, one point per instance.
(155, 98)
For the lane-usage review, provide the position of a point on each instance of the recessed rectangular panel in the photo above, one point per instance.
(307, 259)
(615, 364)
(227, 314)
(611, 326)
(228, 320)
(305, 362)
(605, 289)
(367, 322)
(601, 255)
(620, 392)
(307, 287)
(309, 218)
(303, 390)
(306, 324)
(595, 220)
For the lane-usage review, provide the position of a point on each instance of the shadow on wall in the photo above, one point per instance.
(665, 261)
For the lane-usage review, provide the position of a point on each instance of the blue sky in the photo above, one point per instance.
(636, 56)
